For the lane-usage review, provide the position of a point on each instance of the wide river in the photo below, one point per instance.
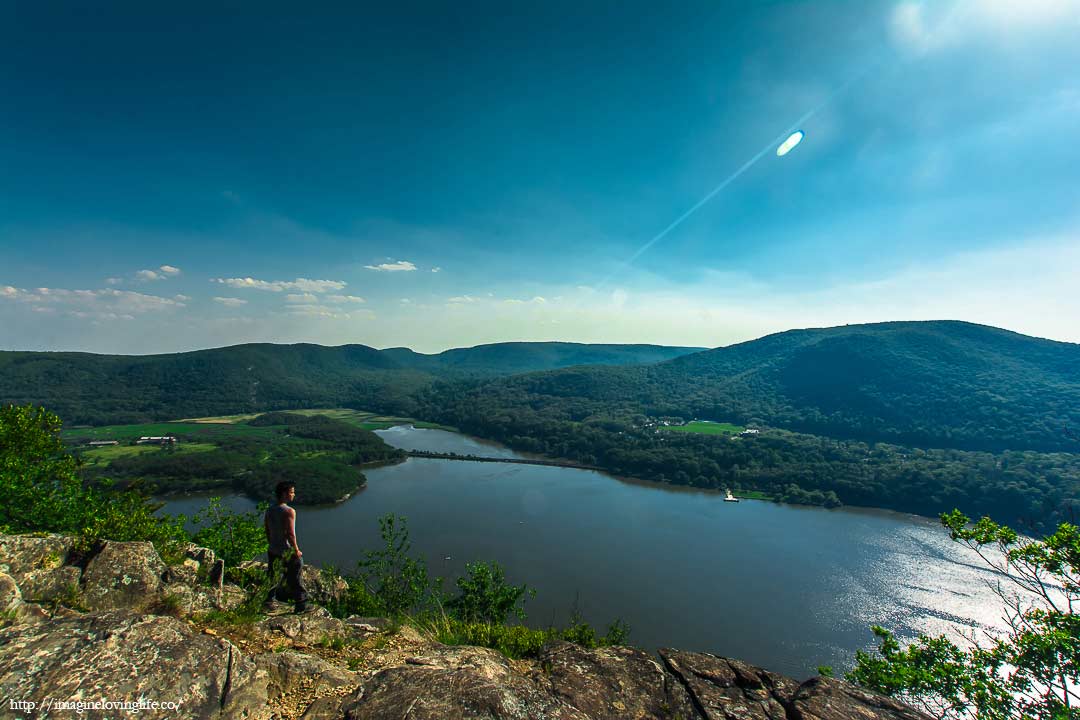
(788, 588)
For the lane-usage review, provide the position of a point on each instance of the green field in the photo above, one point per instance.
(704, 427)
(182, 430)
(108, 454)
(210, 429)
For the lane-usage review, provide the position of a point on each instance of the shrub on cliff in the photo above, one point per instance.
(42, 491)
(1031, 671)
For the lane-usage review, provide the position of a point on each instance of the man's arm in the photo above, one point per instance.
(290, 531)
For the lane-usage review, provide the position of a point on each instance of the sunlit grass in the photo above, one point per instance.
(704, 427)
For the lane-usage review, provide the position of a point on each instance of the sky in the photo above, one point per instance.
(437, 175)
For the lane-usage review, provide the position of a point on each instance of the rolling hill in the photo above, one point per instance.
(935, 384)
(85, 388)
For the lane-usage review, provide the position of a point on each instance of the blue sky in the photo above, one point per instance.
(443, 175)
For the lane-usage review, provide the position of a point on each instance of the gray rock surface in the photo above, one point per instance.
(123, 575)
(829, 699)
(119, 655)
(614, 682)
(725, 689)
(455, 683)
(311, 628)
(288, 671)
(38, 565)
(20, 554)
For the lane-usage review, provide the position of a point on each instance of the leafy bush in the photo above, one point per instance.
(399, 583)
(234, 537)
(486, 596)
(1031, 671)
(42, 491)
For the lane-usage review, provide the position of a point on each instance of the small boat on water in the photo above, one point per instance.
(728, 497)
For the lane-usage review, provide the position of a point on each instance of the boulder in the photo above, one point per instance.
(310, 628)
(123, 575)
(453, 683)
(13, 609)
(725, 689)
(10, 595)
(20, 554)
(290, 672)
(186, 572)
(38, 567)
(614, 682)
(322, 588)
(829, 699)
(201, 555)
(118, 655)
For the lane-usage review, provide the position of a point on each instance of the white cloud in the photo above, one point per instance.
(169, 270)
(302, 284)
(107, 304)
(301, 298)
(149, 275)
(181, 298)
(436, 269)
(922, 27)
(230, 301)
(113, 281)
(398, 266)
(462, 299)
(321, 311)
(345, 299)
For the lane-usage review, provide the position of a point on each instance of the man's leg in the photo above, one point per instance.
(273, 579)
(295, 583)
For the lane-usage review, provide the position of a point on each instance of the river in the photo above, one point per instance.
(788, 588)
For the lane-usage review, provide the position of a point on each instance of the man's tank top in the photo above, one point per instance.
(276, 522)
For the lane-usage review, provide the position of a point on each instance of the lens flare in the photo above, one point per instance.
(788, 145)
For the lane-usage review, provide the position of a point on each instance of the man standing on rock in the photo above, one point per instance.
(280, 525)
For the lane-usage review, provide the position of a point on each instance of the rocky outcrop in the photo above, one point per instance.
(123, 575)
(827, 699)
(618, 682)
(39, 566)
(121, 655)
(456, 683)
(725, 689)
(113, 643)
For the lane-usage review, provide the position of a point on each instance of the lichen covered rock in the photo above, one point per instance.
(124, 656)
(123, 575)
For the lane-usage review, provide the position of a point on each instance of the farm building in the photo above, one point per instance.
(156, 440)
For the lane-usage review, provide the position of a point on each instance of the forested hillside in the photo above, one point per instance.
(931, 384)
(921, 417)
(107, 389)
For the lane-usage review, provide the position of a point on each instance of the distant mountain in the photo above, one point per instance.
(520, 357)
(931, 384)
(89, 388)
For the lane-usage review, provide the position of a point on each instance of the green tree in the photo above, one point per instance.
(486, 596)
(42, 490)
(1032, 670)
(398, 581)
